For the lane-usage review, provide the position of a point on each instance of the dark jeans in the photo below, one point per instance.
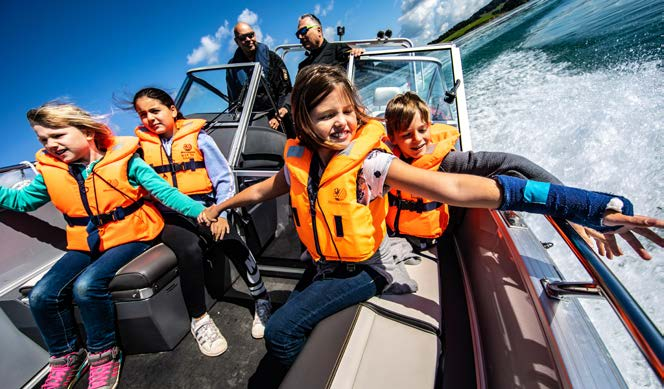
(81, 278)
(312, 301)
(190, 243)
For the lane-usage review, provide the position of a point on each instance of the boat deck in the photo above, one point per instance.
(186, 367)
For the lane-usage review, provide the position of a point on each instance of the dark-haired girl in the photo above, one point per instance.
(190, 160)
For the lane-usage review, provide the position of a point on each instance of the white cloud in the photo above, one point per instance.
(425, 20)
(269, 41)
(208, 51)
(248, 16)
(321, 11)
(330, 33)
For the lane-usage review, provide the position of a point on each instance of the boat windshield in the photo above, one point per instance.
(432, 74)
(380, 78)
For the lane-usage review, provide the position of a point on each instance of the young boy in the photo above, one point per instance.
(417, 141)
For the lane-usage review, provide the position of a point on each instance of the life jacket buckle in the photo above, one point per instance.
(118, 214)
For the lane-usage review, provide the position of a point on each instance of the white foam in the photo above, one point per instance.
(598, 129)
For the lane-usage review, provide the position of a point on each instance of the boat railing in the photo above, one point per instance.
(18, 166)
(644, 332)
(282, 50)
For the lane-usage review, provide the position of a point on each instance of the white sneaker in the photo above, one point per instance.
(261, 315)
(209, 338)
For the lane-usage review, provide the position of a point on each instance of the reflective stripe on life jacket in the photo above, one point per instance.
(185, 168)
(412, 215)
(329, 220)
(113, 204)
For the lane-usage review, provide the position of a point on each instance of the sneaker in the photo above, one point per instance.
(66, 370)
(105, 369)
(208, 336)
(261, 316)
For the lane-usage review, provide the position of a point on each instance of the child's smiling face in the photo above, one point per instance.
(413, 140)
(334, 118)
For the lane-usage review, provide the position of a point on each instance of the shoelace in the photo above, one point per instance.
(100, 374)
(208, 333)
(56, 376)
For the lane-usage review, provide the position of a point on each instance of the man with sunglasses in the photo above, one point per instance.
(274, 73)
(319, 50)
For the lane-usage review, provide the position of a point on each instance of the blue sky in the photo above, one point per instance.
(88, 51)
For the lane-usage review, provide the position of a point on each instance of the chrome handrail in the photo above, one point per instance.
(644, 332)
(18, 166)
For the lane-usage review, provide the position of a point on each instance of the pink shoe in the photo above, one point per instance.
(66, 370)
(105, 369)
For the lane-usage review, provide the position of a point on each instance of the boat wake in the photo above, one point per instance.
(599, 129)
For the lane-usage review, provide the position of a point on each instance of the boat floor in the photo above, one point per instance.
(185, 366)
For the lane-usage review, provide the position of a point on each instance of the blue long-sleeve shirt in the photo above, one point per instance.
(218, 170)
(139, 173)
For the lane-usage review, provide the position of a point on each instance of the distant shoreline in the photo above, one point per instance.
(489, 12)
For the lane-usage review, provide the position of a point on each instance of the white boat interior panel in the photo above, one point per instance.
(394, 334)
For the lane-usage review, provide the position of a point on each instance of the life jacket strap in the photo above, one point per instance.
(178, 167)
(99, 220)
(418, 206)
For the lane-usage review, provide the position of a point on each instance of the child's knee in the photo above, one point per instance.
(81, 289)
(39, 297)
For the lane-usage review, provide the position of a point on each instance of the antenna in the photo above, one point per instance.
(341, 30)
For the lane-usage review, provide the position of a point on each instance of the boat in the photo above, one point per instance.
(492, 309)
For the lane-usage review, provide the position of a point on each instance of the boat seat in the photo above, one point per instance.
(382, 95)
(150, 270)
(398, 335)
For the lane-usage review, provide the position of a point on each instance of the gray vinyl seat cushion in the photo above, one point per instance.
(145, 270)
(156, 266)
(396, 335)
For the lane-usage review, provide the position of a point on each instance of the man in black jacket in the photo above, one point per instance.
(274, 73)
(319, 50)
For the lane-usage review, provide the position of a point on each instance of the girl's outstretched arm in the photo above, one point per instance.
(454, 189)
(604, 212)
(265, 190)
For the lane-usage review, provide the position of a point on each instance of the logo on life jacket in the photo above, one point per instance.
(187, 151)
(339, 194)
(113, 183)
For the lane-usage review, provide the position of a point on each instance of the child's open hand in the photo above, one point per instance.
(220, 228)
(630, 225)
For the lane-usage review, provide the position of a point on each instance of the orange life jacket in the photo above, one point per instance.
(341, 228)
(416, 216)
(115, 206)
(185, 169)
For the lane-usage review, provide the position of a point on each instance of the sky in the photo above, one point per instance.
(93, 53)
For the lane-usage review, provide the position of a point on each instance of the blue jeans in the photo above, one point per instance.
(288, 328)
(81, 278)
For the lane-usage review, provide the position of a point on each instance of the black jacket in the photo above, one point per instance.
(278, 81)
(328, 54)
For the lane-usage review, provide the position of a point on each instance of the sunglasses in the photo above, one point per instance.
(242, 37)
(303, 31)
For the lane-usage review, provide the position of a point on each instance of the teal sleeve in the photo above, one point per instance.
(141, 174)
(27, 198)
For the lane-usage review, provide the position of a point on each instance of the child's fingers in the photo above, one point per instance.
(650, 234)
(616, 219)
(636, 245)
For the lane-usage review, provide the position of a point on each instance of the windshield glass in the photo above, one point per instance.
(221, 89)
(380, 77)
